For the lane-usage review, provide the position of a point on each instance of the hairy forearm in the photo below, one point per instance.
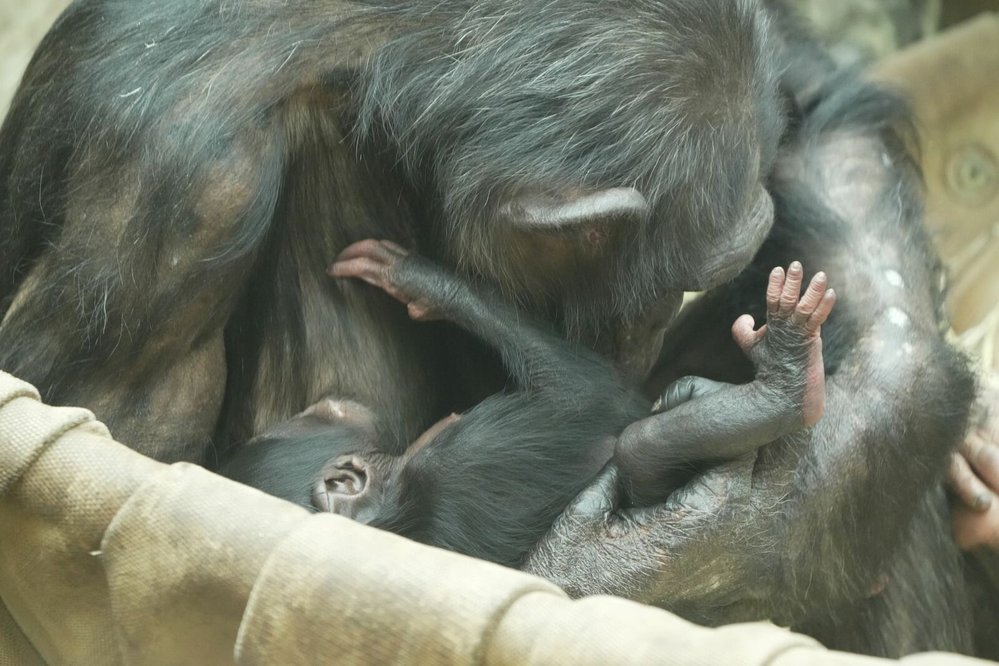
(656, 454)
(899, 398)
(849, 489)
(825, 508)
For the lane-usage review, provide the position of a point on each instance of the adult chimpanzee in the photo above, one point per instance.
(547, 148)
(590, 160)
(490, 482)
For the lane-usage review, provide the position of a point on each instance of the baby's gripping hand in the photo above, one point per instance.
(427, 290)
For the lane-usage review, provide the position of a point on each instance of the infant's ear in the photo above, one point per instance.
(350, 486)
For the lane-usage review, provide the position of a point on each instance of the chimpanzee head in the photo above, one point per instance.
(330, 458)
(284, 460)
(365, 485)
(593, 160)
(487, 483)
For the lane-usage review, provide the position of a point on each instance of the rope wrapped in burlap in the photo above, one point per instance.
(108, 557)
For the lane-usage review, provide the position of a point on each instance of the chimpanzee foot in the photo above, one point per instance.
(790, 344)
(379, 263)
(806, 315)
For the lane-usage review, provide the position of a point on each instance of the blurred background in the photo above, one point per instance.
(22, 24)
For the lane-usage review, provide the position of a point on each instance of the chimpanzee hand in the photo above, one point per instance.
(787, 350)
(658, 554)
(426, 289)
(974, 478)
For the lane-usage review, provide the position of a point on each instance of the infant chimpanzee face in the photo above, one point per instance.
(364, 485)
(321, 458)
(329, 458)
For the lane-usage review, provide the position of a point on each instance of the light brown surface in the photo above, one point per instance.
(858, 31)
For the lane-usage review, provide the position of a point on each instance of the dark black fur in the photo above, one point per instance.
(885, 368)
(652, 102)
(491, 483)
(175, 176)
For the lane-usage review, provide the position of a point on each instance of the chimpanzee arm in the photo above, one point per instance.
(537, 359)
(824, 512)
(125, 224)
(898, 397)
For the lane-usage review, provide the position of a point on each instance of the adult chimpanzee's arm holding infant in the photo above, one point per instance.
(817, 533)
(490, 482)
(787, 394)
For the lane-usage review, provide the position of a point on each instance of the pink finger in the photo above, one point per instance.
(395, 248)
(822, 311)
(774, 287)
(362, 268)
(359, 249)
(983, 455)
(811, 298)
(963, 482)
(743, 333)
(792, 288)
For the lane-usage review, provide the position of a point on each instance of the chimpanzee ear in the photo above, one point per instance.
(348, 486)
(573, 208)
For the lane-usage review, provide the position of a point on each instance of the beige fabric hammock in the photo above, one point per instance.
(108, 557)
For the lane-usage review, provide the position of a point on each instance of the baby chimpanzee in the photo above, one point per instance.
(490, 482)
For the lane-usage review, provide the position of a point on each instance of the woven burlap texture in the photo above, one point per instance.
(108, 557)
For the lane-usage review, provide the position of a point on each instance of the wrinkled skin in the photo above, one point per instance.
(974, 476)
(719, 421)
